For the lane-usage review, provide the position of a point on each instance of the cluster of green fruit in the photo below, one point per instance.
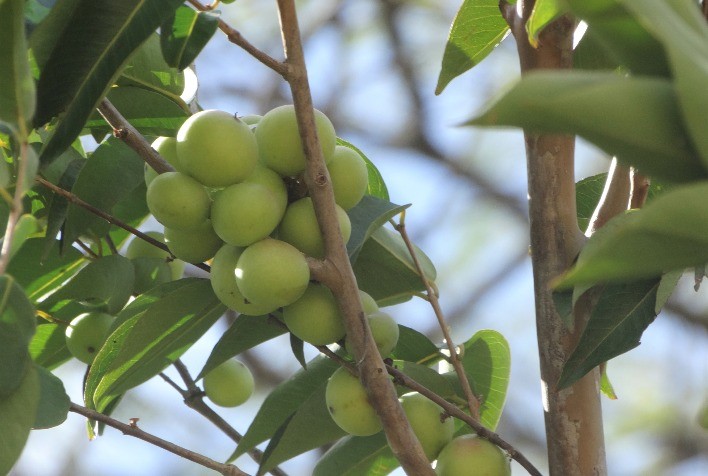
(349, 407)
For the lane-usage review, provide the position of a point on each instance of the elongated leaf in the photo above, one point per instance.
(53, 403)
(415, 347)
(682, 30)
(110, 175)
(355, 455)
(283, 401)
(17, 93)
(377, 186)
(385, 270)
(185, 34)
(97, 39)
(590, 53)
(369, 214)
(668, 283)
(17, 412)
(58, 205)
(543, 14)
(17, 325)
(669, 233)
(150, 341)
(48, 346)
(106, 283)
(427, 377)
(615, 326)
(636, 119)
(587, 195)
(245, 333)
(476, 30)
(487, 362)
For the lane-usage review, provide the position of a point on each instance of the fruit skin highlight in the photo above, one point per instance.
(216, 148)
(86, 334)
(426, 420)
(230, 384)
(470, 455)
(315, 317)
(349, 406)
(349, 176)
(178, 201)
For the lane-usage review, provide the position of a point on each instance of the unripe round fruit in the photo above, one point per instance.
(251, 119)
(470, 455)
(167, 148)
(230, 384)
(368, 303)
(349, 406)
(299, 227)
(279, 144)
(426, 421)
(349, 176)
(152, 266)
(216, 148)
(272, 273)
(195, 245)
(223, 282)
(384, 330)
(272, 181)
(315, 317)
(178, 201)
(86, 334)
(245, 213)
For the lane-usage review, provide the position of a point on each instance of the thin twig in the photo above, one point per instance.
(640, 189)
(472, 401)
(110, 218)
(133, 430)
(16, 208)
(86, 249)
(615, 197)
(194, 398)
(236, 38)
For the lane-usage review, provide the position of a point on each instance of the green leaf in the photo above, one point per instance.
(543, 14)
(17, 94)
(40, 275)
(97, 38)
(367, 216)
(635, 118)
(682, 29)
(151, 113)
(427, 377)
(59, 205)
(185, 34)
(587, 195)
(624, 38)
(377, 186)
(53, 405)
(615, 326)
(297, 346)
(356, 455)
(669, 233)
(149, 341)
(17, 325)
(487, 362)
(476, 30)
(413, 346)
(106, 283)
(110, 175)
(386, 271)
(245, 333)
(17, 413)
(606, 386)
(285, 400)
(668, 283)
(48, 346)
(590, 53)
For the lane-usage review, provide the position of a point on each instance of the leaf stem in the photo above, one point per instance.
(16, 208)
(133, 430)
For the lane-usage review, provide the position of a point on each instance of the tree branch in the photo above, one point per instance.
(615, 197)
(340, 279)
(133, 430)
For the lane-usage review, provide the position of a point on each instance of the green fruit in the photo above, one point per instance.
(368, 303)
(245, 213)
(193, 246)
(273, 182)
(251, 119)
(152, 265)
(223, 282)
(315, 317)
(279, 143)
(349, 406)
(272, 273)
(470, 455)
(230, 384)
(178, 201)
(349, 176)
(433, 429)
(299, 227)
(216, 148)
(167, 148)
(86, 334)
(384, 330)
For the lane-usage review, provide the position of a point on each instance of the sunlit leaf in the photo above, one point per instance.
(185, 34)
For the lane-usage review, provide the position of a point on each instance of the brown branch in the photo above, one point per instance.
(615, 197)
(16, 208)
(640, 189)
(236, 38)
(472, 401)
(133, 430)
(340, 278)
(110, 218)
